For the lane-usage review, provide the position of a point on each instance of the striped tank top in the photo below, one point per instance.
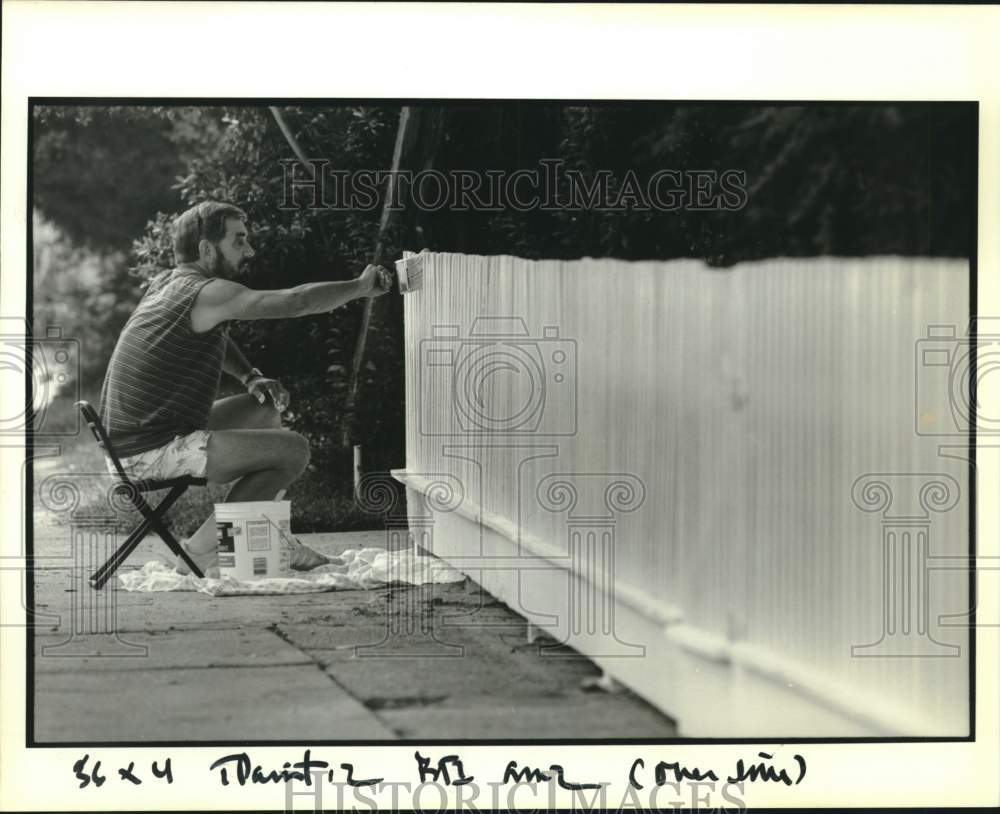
(163, 377)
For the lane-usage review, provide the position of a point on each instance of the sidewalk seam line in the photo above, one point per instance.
(319, 665)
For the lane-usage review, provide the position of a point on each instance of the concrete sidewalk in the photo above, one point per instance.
(420, 663)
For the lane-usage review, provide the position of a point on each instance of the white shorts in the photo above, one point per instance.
(185, 455)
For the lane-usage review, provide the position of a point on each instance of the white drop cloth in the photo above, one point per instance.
(359, 569)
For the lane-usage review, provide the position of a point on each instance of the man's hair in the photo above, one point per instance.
(205, 221)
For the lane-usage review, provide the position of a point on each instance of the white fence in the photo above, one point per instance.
(719, 484)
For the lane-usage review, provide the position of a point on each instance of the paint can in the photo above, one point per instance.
(252, 539)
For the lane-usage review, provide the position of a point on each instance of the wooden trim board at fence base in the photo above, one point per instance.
(711, 687)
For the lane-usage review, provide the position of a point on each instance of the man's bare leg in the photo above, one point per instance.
(247, 446)
(240, 413)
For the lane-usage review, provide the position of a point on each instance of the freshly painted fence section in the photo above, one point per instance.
(717, 483)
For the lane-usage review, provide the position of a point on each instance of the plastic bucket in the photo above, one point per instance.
(253, 539)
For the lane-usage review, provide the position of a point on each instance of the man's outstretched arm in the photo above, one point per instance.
(223, 300)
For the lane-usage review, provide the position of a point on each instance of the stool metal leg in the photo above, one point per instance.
(152, 520)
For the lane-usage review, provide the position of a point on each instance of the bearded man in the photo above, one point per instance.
(159, 398)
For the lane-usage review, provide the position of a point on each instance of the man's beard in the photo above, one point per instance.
(221, 267)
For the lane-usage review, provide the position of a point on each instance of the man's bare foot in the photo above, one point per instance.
(303, 558)
(207, 562)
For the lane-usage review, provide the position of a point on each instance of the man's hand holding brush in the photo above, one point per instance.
(375, 281)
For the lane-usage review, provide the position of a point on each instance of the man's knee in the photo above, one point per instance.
(244, 412)
(297, 452)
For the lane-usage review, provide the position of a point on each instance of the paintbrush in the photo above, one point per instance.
(410, 272)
